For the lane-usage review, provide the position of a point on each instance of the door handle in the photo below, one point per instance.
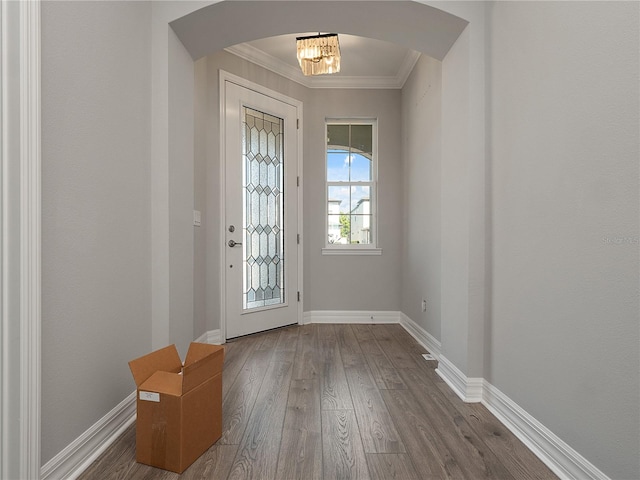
(233, 243)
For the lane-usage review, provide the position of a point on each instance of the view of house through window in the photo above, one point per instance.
(351, 170)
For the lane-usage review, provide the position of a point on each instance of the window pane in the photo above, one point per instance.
(350, 171)
(337, 166)
(361, 229)
(360, 168)
(338, 198)
(334, 230)
(362, 138)
(338, 136)
(360, 200)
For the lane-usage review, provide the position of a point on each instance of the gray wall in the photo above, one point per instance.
(95, 210)
(172, 180)
(11, 362)
(180, 196)
(564, 113)
(353, 282)
(201, 128)
(421, 167)
(463, 190)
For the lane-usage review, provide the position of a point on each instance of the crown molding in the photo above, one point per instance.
(410, 60)
(275, 65)
(257, 56)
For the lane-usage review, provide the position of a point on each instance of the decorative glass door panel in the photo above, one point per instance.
(263, 209)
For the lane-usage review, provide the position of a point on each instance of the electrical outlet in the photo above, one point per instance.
(424, 305)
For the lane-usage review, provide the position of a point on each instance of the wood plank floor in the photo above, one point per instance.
(340, 402)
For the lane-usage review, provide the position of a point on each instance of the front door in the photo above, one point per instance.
(261, 272)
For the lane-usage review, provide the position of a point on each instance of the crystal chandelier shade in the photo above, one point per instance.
(319, 54)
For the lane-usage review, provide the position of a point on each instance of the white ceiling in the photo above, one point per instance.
(365, 62)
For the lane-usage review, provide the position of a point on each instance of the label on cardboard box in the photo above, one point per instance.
(150, 396)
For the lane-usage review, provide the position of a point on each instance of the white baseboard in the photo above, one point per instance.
(212, 336)
(468, 389)
(83, 451)
(350, 316)
(563, 460)
(424, 338)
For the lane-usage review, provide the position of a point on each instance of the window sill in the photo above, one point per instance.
(351, 251)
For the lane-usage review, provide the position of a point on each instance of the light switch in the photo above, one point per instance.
(196, 218)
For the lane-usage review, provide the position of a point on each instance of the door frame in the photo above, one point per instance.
(20, 239)
(223, 78)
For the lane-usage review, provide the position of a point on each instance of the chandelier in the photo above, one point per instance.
(319, 54)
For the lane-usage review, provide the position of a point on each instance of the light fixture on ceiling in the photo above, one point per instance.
(319, 54)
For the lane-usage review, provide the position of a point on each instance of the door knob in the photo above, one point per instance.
(233, 243)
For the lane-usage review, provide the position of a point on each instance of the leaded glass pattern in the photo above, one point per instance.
(263, 209)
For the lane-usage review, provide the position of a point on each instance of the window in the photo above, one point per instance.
(351, 186)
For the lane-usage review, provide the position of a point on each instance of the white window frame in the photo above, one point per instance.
(353, 249)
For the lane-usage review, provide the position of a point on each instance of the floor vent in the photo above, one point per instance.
(428, 356)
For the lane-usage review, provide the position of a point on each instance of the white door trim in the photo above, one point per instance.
(224, 77)
(30, 239)
(4, 454)
(21, 133)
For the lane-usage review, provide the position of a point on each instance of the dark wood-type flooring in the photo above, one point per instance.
(340, 402)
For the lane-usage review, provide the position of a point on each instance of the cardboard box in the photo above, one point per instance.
(179, 406)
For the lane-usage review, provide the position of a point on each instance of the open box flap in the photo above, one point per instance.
(163, 382)
(166, 359)
(203, 362)
(198, 351)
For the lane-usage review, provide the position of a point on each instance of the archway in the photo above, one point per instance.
(455, 36)
(413, 25)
